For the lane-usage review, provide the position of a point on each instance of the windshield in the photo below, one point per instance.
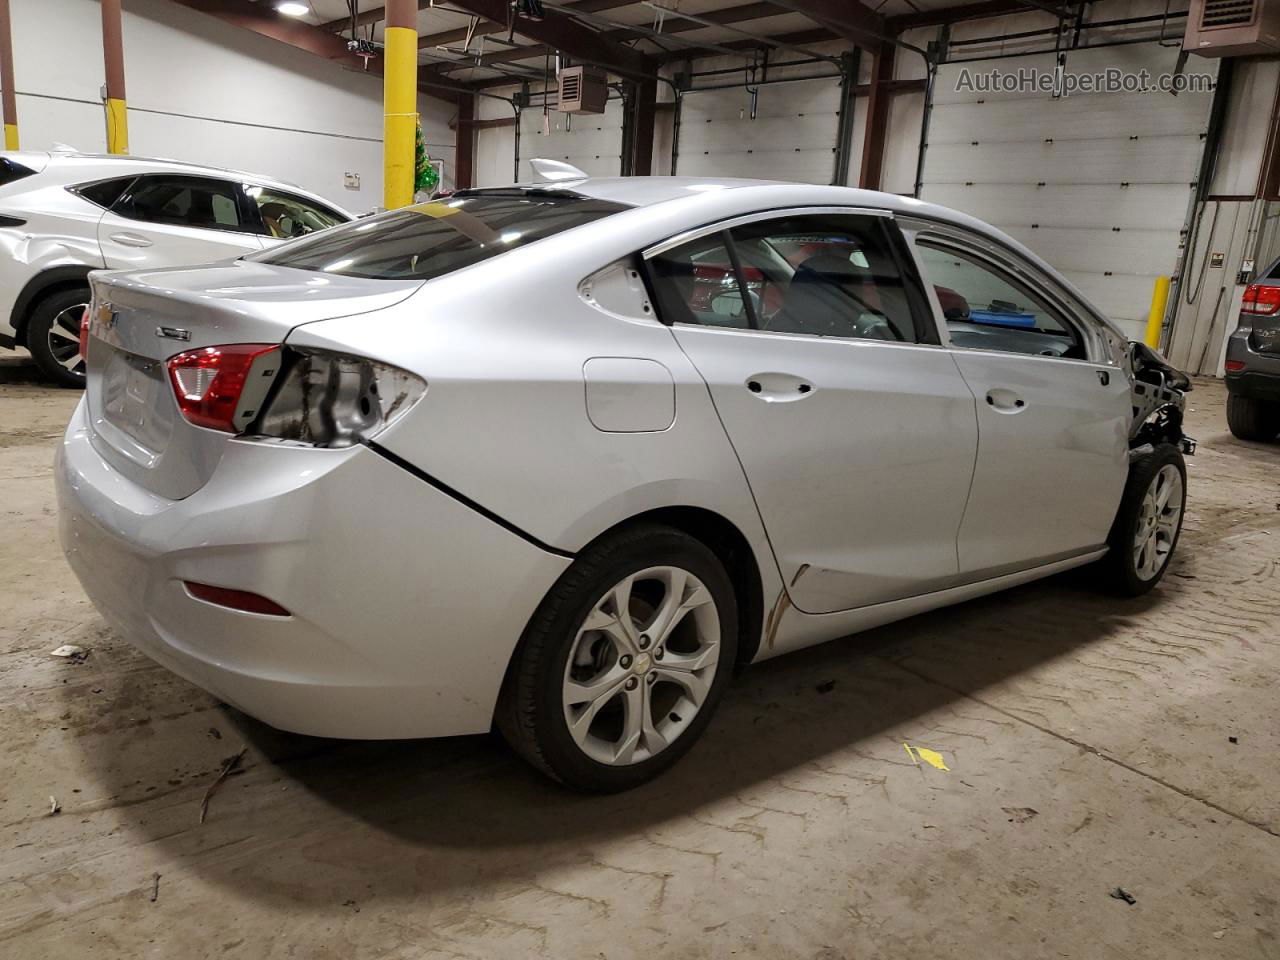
(428, 240)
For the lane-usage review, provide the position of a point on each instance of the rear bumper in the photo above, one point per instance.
(405, 604)
(1260, 378)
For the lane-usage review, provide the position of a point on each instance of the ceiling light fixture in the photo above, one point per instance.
(290, 9)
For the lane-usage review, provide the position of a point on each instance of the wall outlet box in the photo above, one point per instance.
(351, 181)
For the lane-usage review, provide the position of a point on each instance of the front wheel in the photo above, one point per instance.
(624, 661)
(53, 336)
(1148, 523)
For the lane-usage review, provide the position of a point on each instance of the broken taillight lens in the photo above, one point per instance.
(328, 399)
(210, 383)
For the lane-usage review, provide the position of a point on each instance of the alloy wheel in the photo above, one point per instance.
(641, 666)
(64, 338)
(1158, 522)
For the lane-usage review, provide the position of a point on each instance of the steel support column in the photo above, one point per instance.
(400, 103)
(465, 144)
(6, 79)
(877, 118)
(113, 59)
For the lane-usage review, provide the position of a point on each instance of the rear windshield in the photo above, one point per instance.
(431, 239)
(11, 170)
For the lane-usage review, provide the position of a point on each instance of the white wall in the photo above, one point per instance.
(200, 89)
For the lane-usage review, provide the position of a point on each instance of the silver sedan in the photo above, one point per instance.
(560, 456)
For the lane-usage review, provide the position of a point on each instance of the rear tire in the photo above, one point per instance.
(1253, 419)
(1147, 525)
(605, 708)
(53, 336)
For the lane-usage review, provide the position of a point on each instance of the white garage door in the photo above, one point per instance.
(592, 142)
(793, 135)
(1097, 184)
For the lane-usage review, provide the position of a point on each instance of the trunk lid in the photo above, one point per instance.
(141, 319)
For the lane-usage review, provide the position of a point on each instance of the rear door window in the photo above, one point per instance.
(11, 170)
(201, 202)
(429, 240)
(286, 216)
(105, 192)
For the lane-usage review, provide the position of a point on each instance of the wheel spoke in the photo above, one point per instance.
(604, 686)
(580, 723)
(71, 363)
(695, 685)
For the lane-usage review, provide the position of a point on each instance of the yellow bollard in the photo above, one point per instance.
(1155, 319)
(400, 102)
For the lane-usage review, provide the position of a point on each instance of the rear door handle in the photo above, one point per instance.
(131, 239)
(779, 387)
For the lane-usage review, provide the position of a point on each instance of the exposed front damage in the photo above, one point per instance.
(1159, 393)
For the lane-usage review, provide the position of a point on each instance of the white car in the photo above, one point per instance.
(64, 214)
(561, 456)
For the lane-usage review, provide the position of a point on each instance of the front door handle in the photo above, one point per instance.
(1005, 401)
(779, 387)
(131, 239)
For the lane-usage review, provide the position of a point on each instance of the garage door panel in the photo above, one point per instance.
(1077, 167)
(1150, 160)
(1093, 250)
(1150, 206)
(591, 142)
(1085, 117)
(789, 100)
(804, 166)
(1122, 297)
(1151, 57)
(792, 137)
(759, 134)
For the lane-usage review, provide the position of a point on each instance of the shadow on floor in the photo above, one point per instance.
(465, 810)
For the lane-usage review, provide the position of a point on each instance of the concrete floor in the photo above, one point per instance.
(1092, 743)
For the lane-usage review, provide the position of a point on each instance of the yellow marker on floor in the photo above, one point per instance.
(931, 757)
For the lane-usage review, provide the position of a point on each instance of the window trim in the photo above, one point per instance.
(897, 244)
(77, 189)
(241, 198)
(696, 233)
(1093, 326)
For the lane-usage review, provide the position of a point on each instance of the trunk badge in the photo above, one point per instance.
(173, 333)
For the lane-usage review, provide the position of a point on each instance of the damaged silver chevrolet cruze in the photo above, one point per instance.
(558, 457)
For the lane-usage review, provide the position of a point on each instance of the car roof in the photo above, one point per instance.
(103, 165)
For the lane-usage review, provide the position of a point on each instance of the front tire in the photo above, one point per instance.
(1253, 419)
(53, 336)
(1148, 523)
(624, 661)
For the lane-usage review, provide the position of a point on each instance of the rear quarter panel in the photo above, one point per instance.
(505, 421)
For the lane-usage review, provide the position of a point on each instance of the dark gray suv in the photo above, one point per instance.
(1253, 361)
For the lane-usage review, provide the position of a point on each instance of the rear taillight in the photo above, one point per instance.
(221, 387)
(1234, 366)
(1261, 298)
(333, 400)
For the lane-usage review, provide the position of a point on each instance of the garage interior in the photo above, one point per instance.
(1106, 782)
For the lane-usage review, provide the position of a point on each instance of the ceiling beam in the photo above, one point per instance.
(263, 20)
(485, 28)
(849, 18)
(801, 37)
(729, 16)
(376, 15)
(558, 31)
(966, 11)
